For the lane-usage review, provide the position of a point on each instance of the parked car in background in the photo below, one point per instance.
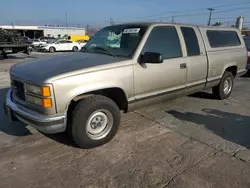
(83, 93)
(60, 45)
(47, 39)
(82, 43)
(247, 42)
(38, 42)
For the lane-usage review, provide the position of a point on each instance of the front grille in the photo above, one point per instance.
(18, 89)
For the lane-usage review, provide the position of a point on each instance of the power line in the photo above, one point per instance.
(233, 4)
(163, 15)
(192, 10)
(241, 8)
(223, 18)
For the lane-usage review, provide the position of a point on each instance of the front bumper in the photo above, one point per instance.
(45, 123)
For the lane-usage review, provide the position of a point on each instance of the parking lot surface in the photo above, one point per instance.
(193, 141)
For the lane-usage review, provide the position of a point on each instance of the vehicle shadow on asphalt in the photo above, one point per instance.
(7, 127)
(20, 129)
(11, 57)
(62, 138)
(203, 95)
(230, 126)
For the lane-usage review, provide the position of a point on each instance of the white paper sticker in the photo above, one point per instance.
(132, 30)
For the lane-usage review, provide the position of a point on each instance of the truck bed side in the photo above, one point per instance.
(222, 58)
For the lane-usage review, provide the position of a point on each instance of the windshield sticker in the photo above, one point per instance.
(132, 30)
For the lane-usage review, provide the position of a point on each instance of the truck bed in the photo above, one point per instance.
(13, 45)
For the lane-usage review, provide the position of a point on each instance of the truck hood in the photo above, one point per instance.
(40, 70)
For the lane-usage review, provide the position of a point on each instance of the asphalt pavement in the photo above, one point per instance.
(194, 141)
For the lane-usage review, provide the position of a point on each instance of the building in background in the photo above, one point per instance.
(47, 31)
(239, 23)
(58, 32)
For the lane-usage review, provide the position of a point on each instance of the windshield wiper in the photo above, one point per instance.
(104, 50)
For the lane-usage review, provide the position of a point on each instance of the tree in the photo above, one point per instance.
(217, 24)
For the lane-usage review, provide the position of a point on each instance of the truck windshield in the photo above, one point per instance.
(120, 40)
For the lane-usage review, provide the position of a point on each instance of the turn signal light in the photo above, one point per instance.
(47, 103)
(46, 91)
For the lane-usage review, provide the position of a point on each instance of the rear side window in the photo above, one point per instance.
(191, 41)
(164, 40)
(223, 38)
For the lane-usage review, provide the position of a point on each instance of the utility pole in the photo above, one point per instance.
(210, 15)
(112, 21)
(87, 29)
(172, 19)
(66, 19)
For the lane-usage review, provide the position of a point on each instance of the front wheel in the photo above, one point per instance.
(225, 87)
(75, 49)
(95, 121)
(52, 49)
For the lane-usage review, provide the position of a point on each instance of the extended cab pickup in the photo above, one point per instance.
(84, 92)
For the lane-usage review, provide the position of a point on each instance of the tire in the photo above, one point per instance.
(75, 49)
(219, 91)
(84, 121)
(52, 49)
(1, 55)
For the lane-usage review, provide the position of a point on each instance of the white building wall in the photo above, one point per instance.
(56, 32)
(49, 31)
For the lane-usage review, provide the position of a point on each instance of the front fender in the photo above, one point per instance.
(92, 88)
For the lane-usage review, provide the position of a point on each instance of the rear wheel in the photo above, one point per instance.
(52, 49)
(1, 55)
(225, 87)
(95, 121)
(75, 49)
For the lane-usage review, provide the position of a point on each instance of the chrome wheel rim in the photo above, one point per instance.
(227, 86)
(99, 124)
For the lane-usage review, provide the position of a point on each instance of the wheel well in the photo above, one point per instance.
(232, 69)
(52, 47)
(116, 94)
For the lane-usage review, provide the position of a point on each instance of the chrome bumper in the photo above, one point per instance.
(44, 123)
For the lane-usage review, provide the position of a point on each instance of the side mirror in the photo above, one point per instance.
(151, 57)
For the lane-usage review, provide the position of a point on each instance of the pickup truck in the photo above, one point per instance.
(11, 43)
(83, 93)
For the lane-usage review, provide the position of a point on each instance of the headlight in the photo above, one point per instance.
(38, 90)
(33, 89)
(45, 103)
(34, 100)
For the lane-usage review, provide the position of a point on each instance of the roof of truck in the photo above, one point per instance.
(167, 23)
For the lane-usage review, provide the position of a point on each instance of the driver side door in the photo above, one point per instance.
(62, 45)
(162, 79)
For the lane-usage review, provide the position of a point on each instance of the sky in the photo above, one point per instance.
(97, 13)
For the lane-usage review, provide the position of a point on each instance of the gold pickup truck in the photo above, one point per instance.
(83, 93)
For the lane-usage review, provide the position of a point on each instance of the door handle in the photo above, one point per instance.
(183, 66)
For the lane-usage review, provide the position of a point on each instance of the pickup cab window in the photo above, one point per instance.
(223, 38)
(120, 40)
(164, 40)
(191, 41)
